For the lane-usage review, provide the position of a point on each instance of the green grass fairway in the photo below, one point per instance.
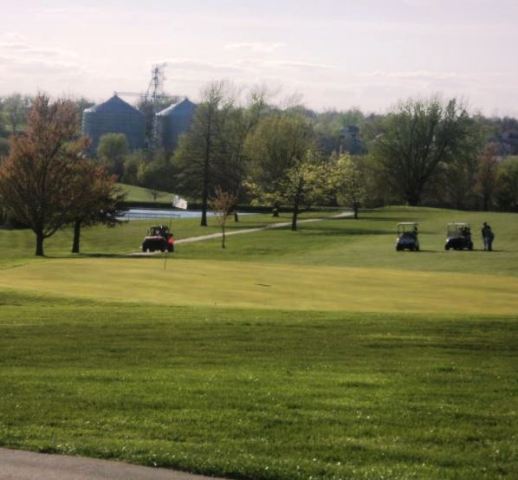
(318, 354)
(139, 194)
(271, 286)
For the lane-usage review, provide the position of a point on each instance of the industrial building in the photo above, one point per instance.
(114, 116)
(117, 116)
(173, 122)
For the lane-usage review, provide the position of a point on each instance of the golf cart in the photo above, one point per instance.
(158, 238)
(458, 237)
(407, 237)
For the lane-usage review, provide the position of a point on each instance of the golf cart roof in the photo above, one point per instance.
(458, 224)
(408, 223)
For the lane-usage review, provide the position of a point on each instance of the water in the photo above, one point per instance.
(149, 213)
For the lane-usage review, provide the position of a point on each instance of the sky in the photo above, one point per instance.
(335, 54)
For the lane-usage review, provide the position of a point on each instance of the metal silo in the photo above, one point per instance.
(114, 116)
(173, 122)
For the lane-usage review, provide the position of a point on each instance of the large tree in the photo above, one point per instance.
(212, 153)
(348, 181)
(417, 138)
(284, 166)
(37, 178)
(98, 198)
(201, 152)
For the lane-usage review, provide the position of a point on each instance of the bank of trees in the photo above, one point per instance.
(429, 152)
(45, 181)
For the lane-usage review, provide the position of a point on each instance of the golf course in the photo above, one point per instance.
(316, 354)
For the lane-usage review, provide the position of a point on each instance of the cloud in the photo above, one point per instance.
(21, 61)
(299, 65)
(195, 65)
(255, 47)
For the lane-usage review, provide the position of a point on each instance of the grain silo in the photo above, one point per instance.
(173, 122)
(114, 116)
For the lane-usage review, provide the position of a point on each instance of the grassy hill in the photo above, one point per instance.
(322, 353)
(140, 194)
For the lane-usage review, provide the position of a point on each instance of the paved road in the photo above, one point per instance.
(18, 465)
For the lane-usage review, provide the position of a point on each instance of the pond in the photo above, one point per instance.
(147, 213)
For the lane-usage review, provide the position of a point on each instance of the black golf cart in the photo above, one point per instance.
(458, 236)
(407, 237)
(158, 238)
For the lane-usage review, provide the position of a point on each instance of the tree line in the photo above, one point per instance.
(423, 152)
(242, 145)
(46, 182)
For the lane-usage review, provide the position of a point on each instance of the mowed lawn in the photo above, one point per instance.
(316, 354)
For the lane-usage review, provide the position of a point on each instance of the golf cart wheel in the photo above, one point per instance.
(446, 247)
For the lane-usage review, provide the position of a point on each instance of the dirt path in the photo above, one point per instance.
(19, 465)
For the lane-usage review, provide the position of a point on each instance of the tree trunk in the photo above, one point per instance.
(486, 203)
(223, 236)
(77, 236)
(205, 198)
(39, 244)
(295, 214)
(206, 165)
(413, 198)
(355, 209)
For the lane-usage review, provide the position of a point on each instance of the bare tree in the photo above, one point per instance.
(223, 205)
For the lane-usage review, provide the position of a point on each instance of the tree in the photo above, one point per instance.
(37, 178)
(487, 175)
(223, 205)
(303, 184)
(283, 161)
(112, 151)
(507, 185)
(200, 156)
(16, 108)
(348, 181)
(417, 138)
(157, 174)
(4, 148)
(98, 198)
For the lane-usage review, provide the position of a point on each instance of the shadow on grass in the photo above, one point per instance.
(135, 255)
(344, 232)
(390, 219)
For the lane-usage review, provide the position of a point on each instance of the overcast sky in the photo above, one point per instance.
(335, 53)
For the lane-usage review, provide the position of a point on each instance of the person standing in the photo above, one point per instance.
(488, 237)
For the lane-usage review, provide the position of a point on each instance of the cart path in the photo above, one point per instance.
(20, 465)
(213, 236)
(259, 229)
